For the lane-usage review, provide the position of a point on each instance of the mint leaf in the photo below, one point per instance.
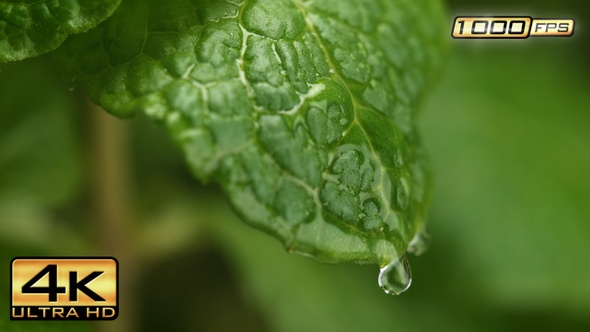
(303, 112)
(332, 289)
(30, 28)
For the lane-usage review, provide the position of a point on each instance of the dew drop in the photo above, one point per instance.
(419, 243)
(396, 277)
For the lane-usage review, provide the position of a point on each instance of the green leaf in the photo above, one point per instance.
(303, 112)
(30, 28)
(343, 297)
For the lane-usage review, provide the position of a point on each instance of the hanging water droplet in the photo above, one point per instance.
(396, 277)
(419, 243)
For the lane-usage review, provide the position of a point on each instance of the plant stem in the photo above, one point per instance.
(113, 208)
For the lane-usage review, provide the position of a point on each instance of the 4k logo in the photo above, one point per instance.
(73, 288)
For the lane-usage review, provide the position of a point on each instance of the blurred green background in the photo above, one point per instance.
(507, 131)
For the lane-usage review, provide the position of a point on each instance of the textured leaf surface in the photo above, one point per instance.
(302, 111)
(29, 28)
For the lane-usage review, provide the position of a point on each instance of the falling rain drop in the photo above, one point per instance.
(419, 243)
(396, 277)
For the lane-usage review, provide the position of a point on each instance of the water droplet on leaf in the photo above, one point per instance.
(419, 243)
(396, 277)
